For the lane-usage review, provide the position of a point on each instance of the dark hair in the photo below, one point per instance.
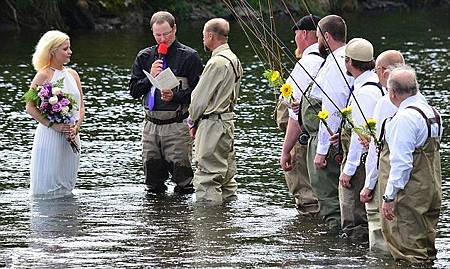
(363, 66)
(335, 26)
(162, 16)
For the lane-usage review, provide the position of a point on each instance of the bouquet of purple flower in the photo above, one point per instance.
(55, 104)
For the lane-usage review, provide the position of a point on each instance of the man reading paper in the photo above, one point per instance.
(167, 146)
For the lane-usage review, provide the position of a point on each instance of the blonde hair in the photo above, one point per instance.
(46, 45)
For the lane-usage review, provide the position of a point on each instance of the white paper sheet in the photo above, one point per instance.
(164, 80)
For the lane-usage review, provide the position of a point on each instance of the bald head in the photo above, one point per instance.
(219, 26)
(403, 81)
(386, 61)
(390, 58)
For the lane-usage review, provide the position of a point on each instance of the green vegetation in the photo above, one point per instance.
(117, 14)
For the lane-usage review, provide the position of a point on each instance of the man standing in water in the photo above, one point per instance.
(167, 146)
(293, 154)
(410, 171)
(211, 111)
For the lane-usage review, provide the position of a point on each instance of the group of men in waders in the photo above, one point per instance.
(385, 187)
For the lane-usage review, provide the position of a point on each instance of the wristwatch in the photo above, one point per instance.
(387, 199)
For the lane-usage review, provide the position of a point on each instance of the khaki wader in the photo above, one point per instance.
(376, 239)
(411, 235)
(297, 180)
(215, 158)
(323, 181)
(353, 212)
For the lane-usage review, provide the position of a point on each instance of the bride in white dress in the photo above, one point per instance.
(54, 165)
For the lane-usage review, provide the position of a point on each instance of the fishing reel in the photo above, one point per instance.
(303, 138)
(338, 157)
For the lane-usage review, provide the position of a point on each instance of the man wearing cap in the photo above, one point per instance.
(293, 154)
(167, 146)
(410, 171)
(323, 169)
(359, 63)
(370, 194)
(212, 112)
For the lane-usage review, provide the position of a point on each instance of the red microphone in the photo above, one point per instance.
(162, 50)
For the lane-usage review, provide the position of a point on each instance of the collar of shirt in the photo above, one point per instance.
(412, 99)
(311, 48)
(367, 76)
(220, 49)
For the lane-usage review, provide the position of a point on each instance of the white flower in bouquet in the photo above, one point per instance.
(53, 100)
(56, 90)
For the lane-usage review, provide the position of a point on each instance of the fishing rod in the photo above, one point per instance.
(242, 23)
(342, 74)
(244, 6)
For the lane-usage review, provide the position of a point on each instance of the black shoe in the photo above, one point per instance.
(157, 190)
(184, 190)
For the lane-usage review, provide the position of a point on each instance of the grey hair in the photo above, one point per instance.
(403, 80)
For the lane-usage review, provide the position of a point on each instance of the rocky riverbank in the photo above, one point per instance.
(111, 15)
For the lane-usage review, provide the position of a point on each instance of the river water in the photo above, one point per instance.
(112, 222)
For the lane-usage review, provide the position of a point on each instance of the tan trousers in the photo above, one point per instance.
(298, 182)
(215, 158)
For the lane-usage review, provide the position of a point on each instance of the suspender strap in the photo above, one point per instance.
(237, 77)
(438, 120)
(427, 120)
(377, 84)
(381, 138)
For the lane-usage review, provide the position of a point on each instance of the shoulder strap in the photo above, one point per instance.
(377, 84)
(424, 116)
(381, 139)
(236, 76)
(429, 121)
(316, 53)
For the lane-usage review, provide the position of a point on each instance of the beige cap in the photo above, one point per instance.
(359, 49)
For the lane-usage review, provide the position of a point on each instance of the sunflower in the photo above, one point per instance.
(323, 114)
(274, 76)
(286, 90)
(370, 123)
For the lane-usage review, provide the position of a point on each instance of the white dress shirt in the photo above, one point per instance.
(299, 79)
(333, 84)
(384, 109)
(404, 133)
(367, 97)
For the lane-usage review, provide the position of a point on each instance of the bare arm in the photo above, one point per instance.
(82, 109)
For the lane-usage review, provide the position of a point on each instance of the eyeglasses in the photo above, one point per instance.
(347, 59)
(379, 68)
(165, 34)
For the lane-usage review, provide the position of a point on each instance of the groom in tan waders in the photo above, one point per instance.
(211, 112)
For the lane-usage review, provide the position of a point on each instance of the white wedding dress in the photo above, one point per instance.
(54, 165)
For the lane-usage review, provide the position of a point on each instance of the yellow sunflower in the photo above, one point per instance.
(371, 123)
(274, 76)
(323, 114)
(286, 90)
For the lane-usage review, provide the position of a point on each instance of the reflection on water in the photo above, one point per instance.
(112, 222)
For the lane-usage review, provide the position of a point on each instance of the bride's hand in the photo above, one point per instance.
(74, 130)
(62, 128)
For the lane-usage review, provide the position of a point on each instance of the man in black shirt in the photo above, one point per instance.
(167, 146)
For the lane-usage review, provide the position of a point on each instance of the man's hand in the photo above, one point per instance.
(167, 95)
(286, 162)
(365, 195)
(344, 179)
(334, 140)
(320, 161)
(192, 131)
(364, 143)
(387, 210)
(156, 68)
(295, 107)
